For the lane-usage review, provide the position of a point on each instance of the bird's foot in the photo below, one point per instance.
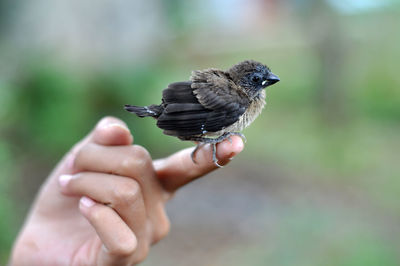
(213, 142)
(192, 155)
(243, 137)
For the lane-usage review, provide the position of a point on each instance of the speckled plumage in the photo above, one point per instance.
(213, 105)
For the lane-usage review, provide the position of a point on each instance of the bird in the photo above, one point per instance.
(213, 105)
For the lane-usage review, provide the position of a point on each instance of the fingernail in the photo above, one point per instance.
(85, 201)
(63, 180)
(115, 125)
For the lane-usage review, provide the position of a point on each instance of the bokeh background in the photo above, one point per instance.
(319, 180)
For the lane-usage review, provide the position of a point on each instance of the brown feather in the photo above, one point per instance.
(211, 104)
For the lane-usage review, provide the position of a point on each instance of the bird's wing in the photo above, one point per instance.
(200, 106)
(216, 91)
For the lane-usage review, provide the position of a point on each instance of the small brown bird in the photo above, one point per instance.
(213, 105)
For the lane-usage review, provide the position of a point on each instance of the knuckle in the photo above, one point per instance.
(162, 229)
(95, 214)
(135, 158)
(123, 249)
(127, 192)
(128, 164)
(141, 152)
(81, 154)
(142, 254)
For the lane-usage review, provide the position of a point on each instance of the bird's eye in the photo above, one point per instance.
(255, 79)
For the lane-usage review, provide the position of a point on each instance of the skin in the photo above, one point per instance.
(104, 204)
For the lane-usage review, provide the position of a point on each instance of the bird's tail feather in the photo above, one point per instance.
(144, 111)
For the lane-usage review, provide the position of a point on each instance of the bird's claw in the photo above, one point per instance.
(214, 155)
(193, 154)
(213, 142)
(243, 137)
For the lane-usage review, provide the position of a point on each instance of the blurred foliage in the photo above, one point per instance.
(334, 116)
(7, 207)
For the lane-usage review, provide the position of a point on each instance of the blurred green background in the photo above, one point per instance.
(319, 180)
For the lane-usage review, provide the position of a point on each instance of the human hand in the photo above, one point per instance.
(104, 203)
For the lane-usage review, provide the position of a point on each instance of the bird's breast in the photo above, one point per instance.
(252, 112)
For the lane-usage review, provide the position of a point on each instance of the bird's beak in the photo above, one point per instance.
(271, 79)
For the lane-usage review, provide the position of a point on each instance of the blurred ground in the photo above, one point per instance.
(319, 179)
(246, 216)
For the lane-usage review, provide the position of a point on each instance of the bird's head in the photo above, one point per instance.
(252, 76)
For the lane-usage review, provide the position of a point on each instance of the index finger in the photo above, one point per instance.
(179, 169)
